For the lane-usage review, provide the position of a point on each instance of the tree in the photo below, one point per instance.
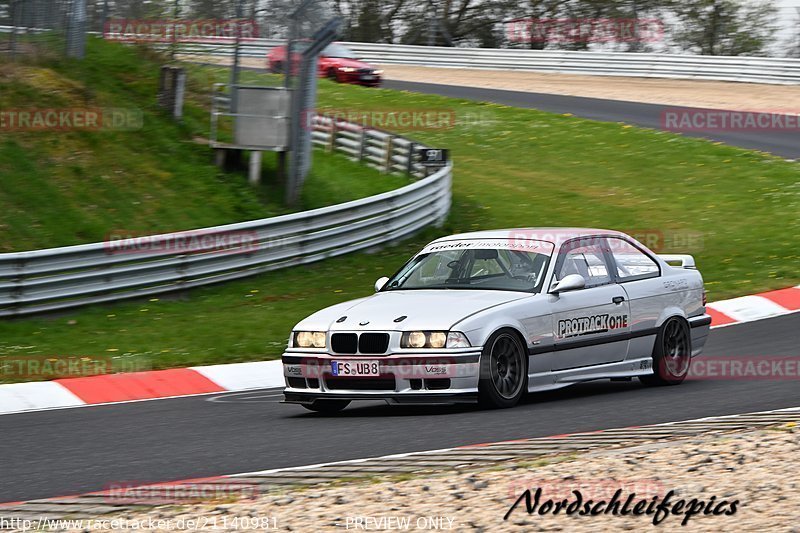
(724, 27)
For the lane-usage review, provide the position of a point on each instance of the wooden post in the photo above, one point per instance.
(388, 161)
(332, 139)
(362, 145)
(410, 161)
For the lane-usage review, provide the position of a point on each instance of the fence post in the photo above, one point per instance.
(410, 160)
(76, 36)
(332, 137)
(362, 143)
(387, 163)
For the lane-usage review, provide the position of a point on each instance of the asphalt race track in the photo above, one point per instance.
(61, 452)
(782, 143)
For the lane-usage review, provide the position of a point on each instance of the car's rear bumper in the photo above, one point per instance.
(430, 378)
(700, 325)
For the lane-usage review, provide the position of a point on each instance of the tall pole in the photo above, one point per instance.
(76, 34)
(104, 18)
(235, 68)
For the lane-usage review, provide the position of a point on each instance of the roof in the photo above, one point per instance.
(549, 234)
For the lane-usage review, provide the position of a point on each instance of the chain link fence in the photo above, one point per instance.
(43, 27)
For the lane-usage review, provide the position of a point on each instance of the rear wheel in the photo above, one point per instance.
(504, 370)
(327, 406)
(672, 354)
(276, 67)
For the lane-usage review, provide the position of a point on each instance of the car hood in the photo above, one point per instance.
(346, 62)
(423, 309)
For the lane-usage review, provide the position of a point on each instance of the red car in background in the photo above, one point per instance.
(336, 62)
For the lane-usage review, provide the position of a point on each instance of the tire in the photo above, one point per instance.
(672, 354)
(503, 370)
(276, 68)
(327, 406)
(332, 75)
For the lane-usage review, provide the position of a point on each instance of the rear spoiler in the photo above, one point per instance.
(685, 261)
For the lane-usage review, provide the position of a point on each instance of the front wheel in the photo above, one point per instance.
(504, 370)
(672, 354)
(332, 75)
(327, 406)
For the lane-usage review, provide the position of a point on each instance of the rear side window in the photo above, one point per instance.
(631, 262)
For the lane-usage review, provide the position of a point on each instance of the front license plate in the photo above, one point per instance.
(355, 368)
(367, 78)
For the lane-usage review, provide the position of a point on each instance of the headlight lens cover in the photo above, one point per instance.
(434, 339)
(347, 69)
(309, 339)
(456, 339)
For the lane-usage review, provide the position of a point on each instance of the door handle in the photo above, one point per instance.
(618, 299)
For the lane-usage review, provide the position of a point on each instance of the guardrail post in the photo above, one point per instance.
(332, 138)
(410, 160)
(387, 163)
(362, 143)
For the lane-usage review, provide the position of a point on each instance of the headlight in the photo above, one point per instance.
(309, 339)
(378, 72)
(347, 69)
(434, 339)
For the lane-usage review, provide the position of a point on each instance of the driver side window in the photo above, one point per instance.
(586, 259)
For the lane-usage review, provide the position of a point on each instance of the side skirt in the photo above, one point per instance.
(562, 378)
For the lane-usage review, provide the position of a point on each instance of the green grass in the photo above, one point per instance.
(64, 188)
(513, 167)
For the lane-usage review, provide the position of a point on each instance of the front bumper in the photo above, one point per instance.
(368, 80)
(443, 377)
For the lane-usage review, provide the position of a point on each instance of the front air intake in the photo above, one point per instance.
(344, 342)
(373, 343)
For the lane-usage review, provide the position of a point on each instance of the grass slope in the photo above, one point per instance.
(513, 167)
(61, 188)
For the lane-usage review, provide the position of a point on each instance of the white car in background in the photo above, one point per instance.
(486, 316)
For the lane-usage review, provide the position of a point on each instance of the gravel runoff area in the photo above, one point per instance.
(689, 93)
(732, 481)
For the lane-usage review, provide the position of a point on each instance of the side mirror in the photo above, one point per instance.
(380, 283)
(569, 283)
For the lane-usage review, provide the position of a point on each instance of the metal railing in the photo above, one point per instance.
(60, 278)
(772, 70)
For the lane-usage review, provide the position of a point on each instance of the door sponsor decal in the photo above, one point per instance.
(585, 325)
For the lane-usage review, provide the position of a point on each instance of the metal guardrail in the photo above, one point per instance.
(771, 70)
(60, 278)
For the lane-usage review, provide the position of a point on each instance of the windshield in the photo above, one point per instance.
(475, 268)
(337, 50)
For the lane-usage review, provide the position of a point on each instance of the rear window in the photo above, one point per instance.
(631, 262)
